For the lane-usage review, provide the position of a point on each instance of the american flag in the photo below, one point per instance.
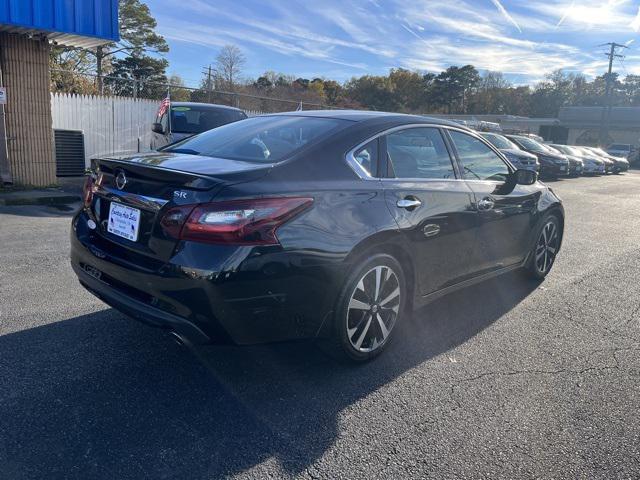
(164, 105)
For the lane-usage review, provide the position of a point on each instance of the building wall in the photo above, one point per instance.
(591, 136)
(110, 125)
(25, 73)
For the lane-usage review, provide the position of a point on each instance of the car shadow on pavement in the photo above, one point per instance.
(53, 211)
(101, 396)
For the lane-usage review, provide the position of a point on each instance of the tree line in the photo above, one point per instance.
(135, 67)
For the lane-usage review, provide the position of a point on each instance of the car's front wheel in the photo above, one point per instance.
(543, 255)
(369, 308)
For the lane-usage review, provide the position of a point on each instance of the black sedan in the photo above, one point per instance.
(552, 164)
(330, 225)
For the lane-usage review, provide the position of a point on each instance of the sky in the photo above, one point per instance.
(340, 39)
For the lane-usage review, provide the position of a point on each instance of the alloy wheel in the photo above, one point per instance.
(373, 309)
(547, 247)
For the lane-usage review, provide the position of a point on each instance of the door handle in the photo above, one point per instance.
(409, 203)
(486, 204)
(431, 230)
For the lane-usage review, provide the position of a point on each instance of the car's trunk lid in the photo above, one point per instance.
(154, 183)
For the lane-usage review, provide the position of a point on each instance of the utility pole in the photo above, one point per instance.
(209, 82)
(606, 111)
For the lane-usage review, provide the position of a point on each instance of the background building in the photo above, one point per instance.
(27, 29)
(584, 125)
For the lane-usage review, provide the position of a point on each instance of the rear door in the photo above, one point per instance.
(506, 210)
(431, 206)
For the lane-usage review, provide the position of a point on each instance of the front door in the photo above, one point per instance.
(432, 208)
(506, 210)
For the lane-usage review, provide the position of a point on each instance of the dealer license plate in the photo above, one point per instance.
(124, 221)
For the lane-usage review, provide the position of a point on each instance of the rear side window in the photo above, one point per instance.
(478, 161)
(418, 153)
(259, 139)
(367, 158)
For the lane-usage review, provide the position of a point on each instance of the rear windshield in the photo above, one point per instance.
(200, 119)
(500, 142)
(259, 139)
(562, 149)
(530, 144)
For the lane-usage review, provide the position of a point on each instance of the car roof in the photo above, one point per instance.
(363, 115)
(205, 105)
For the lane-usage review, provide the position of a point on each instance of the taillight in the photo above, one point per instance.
(90, 187)
(87, 190)
(239, 222)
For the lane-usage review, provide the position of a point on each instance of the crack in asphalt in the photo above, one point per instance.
(615, 366)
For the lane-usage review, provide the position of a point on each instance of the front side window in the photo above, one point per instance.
(418, 153)
(478, 161)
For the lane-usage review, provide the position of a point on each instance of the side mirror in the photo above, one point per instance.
(157, 128)
(525, 177)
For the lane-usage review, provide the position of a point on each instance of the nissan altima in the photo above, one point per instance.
(328, 225)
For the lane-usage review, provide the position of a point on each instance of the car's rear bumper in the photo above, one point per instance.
(593, 169)
(576, 170)
(250, 299)
(553, 170)
(90, 278)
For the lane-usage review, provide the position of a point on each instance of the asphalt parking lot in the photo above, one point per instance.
(508, 379)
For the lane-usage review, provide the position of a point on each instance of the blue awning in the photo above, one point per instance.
(78, 23)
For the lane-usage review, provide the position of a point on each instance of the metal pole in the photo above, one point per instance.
(606, 110)
(209, 85)
(5, 167)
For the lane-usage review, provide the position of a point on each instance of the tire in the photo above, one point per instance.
(363, 324)
(543, 254)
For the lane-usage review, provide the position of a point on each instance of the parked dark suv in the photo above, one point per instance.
(185, 119)
(328, 225)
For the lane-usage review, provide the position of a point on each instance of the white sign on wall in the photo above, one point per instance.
(3, 95)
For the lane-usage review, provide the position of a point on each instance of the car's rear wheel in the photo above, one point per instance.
(369, 308)
(546, 248)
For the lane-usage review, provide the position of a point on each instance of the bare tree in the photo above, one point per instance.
(229, 63)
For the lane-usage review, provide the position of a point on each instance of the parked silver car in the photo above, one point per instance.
(608, 163)
(519, 158)
(593, 164)
(620, 164)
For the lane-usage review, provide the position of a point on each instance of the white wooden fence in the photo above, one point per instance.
(111, 125)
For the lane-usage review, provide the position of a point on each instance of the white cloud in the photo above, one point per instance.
(635, 23)
(368, 37)
(505, 14)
